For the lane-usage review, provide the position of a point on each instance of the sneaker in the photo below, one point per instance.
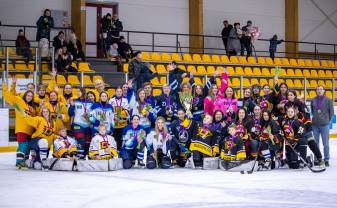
(322, 164)
(327, 164)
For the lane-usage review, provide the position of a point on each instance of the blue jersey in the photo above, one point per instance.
(81, 112)
(102, 114)
(130, 136)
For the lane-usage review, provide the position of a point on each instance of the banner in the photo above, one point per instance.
(4, 127)
(21, 85)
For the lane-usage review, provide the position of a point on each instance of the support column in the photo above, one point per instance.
(196, 25)
(291, 27)
(78, 19)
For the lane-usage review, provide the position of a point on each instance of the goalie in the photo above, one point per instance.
(64, 146)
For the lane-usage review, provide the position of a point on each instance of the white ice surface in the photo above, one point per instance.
(167, 188)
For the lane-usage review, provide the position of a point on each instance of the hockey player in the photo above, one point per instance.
(158, 144)
(64, 146)
(133, 143)
(198, 102)
(183, 130)
(294, 135)
(102, 113)
(121, 109)
(255, 131)
(79, 110)
(280, 100)
(166, 105)
(220, 127)
(102, 146)
(204, 144)
(233, 147)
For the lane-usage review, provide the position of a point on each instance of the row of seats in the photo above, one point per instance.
(207, 58)
(21, 65)
(61, 79)
(246, 71)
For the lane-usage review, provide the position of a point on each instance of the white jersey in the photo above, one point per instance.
(145, 121)
(81, 113)
(103, 146)
(155, 143)
(64, 145)
(122, 102)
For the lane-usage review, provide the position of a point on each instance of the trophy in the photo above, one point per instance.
(186, 99)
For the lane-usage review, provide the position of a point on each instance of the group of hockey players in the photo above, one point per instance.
(187, 123)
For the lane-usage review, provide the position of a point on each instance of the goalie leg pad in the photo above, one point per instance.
(115, 164)
(92, 165)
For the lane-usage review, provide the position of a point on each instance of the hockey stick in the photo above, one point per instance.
(257, 154)
(305, 162)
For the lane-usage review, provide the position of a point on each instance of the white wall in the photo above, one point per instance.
(170, 16)
(27, 12)
(268, 15)
(313, 26)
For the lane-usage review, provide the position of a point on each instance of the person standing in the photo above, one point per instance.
(44, 24)
(322, 113)
(23, 46)
(116, 28)
(225, 33)
(273, 45)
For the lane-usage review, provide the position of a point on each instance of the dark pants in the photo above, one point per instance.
(118, 135)
(246, 44)
(224, 40)
(272, 54)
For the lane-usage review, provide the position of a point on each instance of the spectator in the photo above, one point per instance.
(23, 46)
(59, 41)
(114, 56)
(124, 49)
(246, 39)
(176, 76)
(234, 44)
(44, 24)
(64, 60)
(273, 46)
(75, 47)
(106, 27)
(322, 114)
(117, 27)
(139, 71)
(225, 33)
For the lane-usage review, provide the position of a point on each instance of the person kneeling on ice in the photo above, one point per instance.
(133, 143)
(102, 146)
(64, 146)
(294, 139)
(158, 143)
(204, 143)
(233, 146)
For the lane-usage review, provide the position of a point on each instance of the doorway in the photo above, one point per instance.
(94, 14)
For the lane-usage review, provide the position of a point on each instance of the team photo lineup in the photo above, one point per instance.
(187, 125)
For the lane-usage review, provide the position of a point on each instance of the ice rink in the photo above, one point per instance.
(167, 188)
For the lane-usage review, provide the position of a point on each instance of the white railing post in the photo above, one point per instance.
(82, 79)
(305, 89)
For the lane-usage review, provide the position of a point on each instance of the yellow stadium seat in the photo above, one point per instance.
(210, 70)
(306, 73)
(314, 73)
(182, 67)
(328, 83)
(73, 80)
(272, 71)
(328, 94)
(96, 77)
(146, 56)
(218, 81)
(74, 65)
(260, 60)
(162, 80)
(187, 57)
(45, 67)
(161, 69)
(290, 72)
(156, 92)
(21, 66)
(298, 72)
(20, 76)
(334, 73)
(84, 66)
(87, 80)
(216, 59)
(313, 83)
(312, 94)
(125, 68)
(155, 81)
(257, 71)
(206, 58)
(155, 56)
(191, 69)
(300, 62)
(111, 92)
(285, 62)
(242, 60)
(224, 59)
(46, 78)
(235, 82)
(239, 70)
(316, 63)
(290, 83)
(263, 82)
(271, 82)
(283, 73)
(254, 81)
(229, 69)
(328, 74)
(324, 63)
(10, 67)
(60, 79)
(293, 62)
(234, 59)
(308, 62)
(321, 82)
(308, 84)
(251, 60)
(331, 64)
(198, 80)
(176, 57)
(248, 71)
(165, 57)
(152, 68)
(265, 72)
(201, 70)
(321, 73)
(196, 58)
(298, 83)
(277, 62)
(269, 61)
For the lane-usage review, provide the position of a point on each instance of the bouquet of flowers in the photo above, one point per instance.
(186, 99)
(146, 109)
